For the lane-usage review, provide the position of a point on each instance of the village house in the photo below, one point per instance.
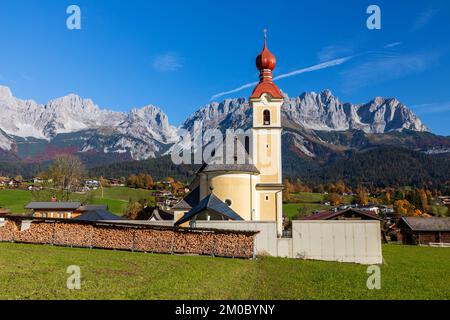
(70, 210)
(159, 214)
(165, 199)
(57, 210)
(4, 212)
(346, 214)
(424, 231)
(445, 201)
(92, 184)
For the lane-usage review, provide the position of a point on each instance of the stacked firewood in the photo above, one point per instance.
(148, 240)
(9, 229)
(68, 234)
(201, 242)
(113, 237)
(37, 233)
(194, 242)
(234, 245)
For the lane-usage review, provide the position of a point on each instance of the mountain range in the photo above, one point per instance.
(318, 128)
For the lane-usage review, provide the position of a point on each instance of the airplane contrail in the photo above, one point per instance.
(316, 67)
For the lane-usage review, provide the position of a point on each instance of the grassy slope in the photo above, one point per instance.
(309, 201)
(116, 198)
(39, 272)
(14, 200)
(291, 209)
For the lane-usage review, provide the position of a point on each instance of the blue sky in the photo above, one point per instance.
(179, 54)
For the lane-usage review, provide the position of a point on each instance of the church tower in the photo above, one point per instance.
(266, 101)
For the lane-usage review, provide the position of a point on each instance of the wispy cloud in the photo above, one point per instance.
(316, 67)
(245, 86)
(167, 62)
(430, 108)
(383, 67)
(392, 45)
(333, 52)
(424, 18)
(26, 77)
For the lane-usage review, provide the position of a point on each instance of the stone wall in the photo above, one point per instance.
(134, 238)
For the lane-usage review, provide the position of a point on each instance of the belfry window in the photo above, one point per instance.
(266, 117)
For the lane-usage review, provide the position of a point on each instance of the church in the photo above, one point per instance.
(244, 191)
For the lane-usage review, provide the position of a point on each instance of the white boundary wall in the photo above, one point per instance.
(266, 239)
(356, 241)
(344, 241)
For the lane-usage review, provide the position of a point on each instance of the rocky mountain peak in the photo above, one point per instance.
(5, 92)
(146, 132)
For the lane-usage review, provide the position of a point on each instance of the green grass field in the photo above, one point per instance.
(307, 203)
(39, 272)
(115, 198)
(291, 209)
(14, 200)
(311, 197)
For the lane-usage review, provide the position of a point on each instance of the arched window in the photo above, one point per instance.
(247, 144)
(266, 117)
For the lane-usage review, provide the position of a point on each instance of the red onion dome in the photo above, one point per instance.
(266, 60)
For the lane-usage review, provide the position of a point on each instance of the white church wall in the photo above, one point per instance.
(343, 241)
(284, 247)
(266, 240)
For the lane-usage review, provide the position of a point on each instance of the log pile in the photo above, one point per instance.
(194, 242)
(37, 233)
(67, 235)
(7, 232)
(234, 245)
(158, 241)
(144, 239)
(113, 238)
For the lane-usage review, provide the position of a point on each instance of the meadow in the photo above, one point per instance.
(307, 203)
(40, 272)
(115, 198)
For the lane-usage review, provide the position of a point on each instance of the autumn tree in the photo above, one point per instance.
(340, 187)
(141, 181)
(331, 188)
(387, 197)
(134, 209)
(66, 172)
(319, 188)
(405, 208)
(361, 197)
(104, 183)
(425, 199)
(177, 187)
(288, 189)
(131, 181)
(334, 199)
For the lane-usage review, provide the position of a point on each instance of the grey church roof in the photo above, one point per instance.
(190, 201)
(240, 154)
(247, 168)
(213, 204)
